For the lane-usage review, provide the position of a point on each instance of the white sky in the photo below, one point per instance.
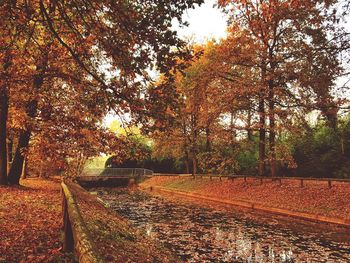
(206, 22)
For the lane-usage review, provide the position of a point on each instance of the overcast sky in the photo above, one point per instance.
(205, 22)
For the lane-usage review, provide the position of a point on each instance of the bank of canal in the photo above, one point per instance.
(199, 231)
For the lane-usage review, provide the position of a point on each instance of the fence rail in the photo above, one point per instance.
(76, 238)
(302, 180)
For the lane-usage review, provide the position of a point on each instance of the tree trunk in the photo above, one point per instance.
(187, 160)
(194, 158)
(17, 163)
(24, 169)
(262, 135)
(249, 125)
(232, 132)
(9, 153)
(194, 165)
(41, 172)
(31, 110)
(272, 126)
(4, 104)
(186, 148)
(262, 117)
(208, 140)
(3, 132)
(330, 110)
(272, 137)
(187, 164)
(23, 142)
(194, 145)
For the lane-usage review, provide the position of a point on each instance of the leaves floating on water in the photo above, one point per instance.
(200, 233)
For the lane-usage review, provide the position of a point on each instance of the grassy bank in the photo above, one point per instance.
(314, 198)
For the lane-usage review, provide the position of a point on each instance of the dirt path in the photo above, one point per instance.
(30, 222)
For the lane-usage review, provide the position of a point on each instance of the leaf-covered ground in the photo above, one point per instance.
(30, 222)
(313, 198)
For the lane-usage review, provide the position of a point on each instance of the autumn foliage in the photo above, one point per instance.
(241, 102)
(64, 66)
(264, 100)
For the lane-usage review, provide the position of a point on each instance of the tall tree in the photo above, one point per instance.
(284, 32)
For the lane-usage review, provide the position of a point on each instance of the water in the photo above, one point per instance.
(199, 231)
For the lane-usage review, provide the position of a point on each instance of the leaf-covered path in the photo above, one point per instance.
(30, 222)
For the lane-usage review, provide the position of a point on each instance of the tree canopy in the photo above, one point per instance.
(235, 105)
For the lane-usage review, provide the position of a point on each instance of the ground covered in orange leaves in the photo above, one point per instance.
(313, 198)
(30, 222)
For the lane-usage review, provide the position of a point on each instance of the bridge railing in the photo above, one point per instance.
(127, 172)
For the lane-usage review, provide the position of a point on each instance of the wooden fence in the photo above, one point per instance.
(302, 180)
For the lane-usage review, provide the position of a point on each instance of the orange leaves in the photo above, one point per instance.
(30, 227)
(315, 197)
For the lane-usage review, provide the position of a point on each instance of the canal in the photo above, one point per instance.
(200, 231)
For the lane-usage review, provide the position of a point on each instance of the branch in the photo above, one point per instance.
(65, 45)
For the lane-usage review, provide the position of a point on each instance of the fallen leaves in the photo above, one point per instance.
(30, 222)
(315, 197)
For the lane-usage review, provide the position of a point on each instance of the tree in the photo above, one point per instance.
(13, 44)
(129, 37)
(286, 34)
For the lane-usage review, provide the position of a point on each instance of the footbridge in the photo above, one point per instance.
(113, 177)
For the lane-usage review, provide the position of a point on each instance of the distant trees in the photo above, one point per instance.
(322, 151)
(278, 64)
(294, 51)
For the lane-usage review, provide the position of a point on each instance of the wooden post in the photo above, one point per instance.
(245, 179)
(301, 183)
(280, 181)
(24, 168)
(329, 184)
(64, 208)
(261, 181)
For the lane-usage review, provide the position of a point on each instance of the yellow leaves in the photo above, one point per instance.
(18, 119)
(170, 112)
(115, 127)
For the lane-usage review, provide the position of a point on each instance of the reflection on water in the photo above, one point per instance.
(198, 233)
